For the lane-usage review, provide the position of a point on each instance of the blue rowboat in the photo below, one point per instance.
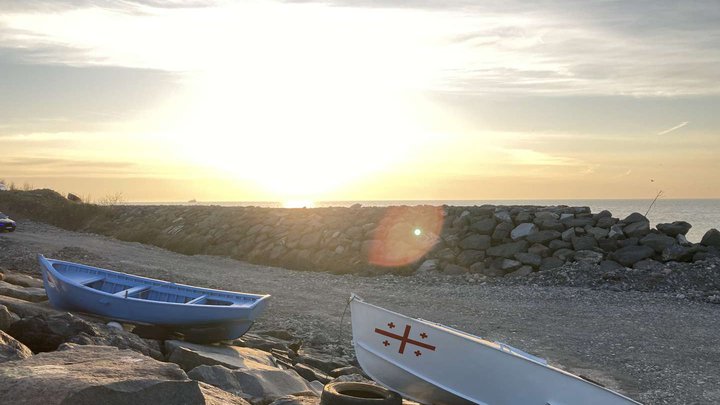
(209, 314)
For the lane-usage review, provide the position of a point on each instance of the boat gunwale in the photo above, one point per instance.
(474, 338)
(259, 298)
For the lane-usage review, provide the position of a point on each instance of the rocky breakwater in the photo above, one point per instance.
(53, 357)
(494, 241)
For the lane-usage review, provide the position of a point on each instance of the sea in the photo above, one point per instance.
(702, 214)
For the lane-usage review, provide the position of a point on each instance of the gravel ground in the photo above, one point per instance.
(656, 347)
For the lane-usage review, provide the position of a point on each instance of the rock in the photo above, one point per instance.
(478, 267)
(22, 280)
(543, 236)
(353, 378)
(568, 235)
(584, 243)
(677, 253)
(484, 226)
(502, 231)
(216, 396)
(509, 265)
(550, 263)
(564, 254)
(44, 333)
(26, 309)
(311, 373)
(648, 265)
(657, 241)
(674, 229)
(546, 215)
(559, 244)
(627, 242)
(630, 255)
(523, 216)
(508, 250)
(428, 266)
(581, 222)
(552, 225)
(637, 229)
(31, 294)
(522, 271)
(446, 255)
(467, 257)
(454, 269)
(523, 230)
(503, 216)
(616, 232)
(296, 400)
(610, 265)
(635, 217)
(11, 349)
(540, 250)
(711, 238)
(606, 222)
(608, 245)
(74, 198)
(597, 232)
(320, 360)
(588, 256)
(7, 318)
(529, 259)
(190, 355)
(682, 240)
(88, 375)
(264, 343)
(261, 384)
(347, 370)
(477, 242)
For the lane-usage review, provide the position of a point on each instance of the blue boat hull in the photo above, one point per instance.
(124, 297)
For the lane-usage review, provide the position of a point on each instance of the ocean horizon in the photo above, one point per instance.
(702, 213)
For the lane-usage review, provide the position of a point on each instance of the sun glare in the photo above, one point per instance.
(299, 204)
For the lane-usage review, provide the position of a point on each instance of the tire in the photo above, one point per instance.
(356, 393)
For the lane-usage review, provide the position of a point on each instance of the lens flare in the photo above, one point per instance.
(404, 235)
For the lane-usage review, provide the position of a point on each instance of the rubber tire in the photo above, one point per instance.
(336, 394)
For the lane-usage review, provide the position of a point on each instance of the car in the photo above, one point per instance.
(6, 224)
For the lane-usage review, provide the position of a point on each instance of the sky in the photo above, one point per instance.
(361, 100)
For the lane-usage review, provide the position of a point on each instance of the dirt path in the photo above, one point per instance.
(655, 348)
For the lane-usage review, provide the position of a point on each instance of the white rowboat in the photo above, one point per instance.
(434, 364)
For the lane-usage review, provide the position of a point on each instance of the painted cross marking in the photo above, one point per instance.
(391, 325)
(404, 340)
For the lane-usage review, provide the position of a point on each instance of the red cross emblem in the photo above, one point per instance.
(405, 339)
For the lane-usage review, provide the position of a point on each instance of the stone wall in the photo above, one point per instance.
(492, 240)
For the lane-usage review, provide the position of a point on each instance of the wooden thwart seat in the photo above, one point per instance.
(133, 290)
(197, 300)
(92, 280)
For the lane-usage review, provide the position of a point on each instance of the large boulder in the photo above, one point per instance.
(261, 384)
(89, 375)
(508, 250)
(484, 226)
(543, 236)
(45, 333)
(584, 242)
(22, 280)
(529, 259)
(630, 255)
(674, 229)
(7, 318)
(711, 238)
(637, 229)
(26, 309)
(32, 294)
(476, 242)
(467, 257)
(11, 349)
(190, 355)
(588, 256)
(523, 230)
(657, 241)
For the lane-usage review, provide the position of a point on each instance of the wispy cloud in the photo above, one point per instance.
(678, 126)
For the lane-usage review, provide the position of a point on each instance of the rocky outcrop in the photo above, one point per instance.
(189, 355)
(11, 349)
(89, 375)
(45, 333)
(32, 294)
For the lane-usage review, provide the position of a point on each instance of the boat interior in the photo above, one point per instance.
(128, 286)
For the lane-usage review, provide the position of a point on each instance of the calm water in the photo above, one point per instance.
(703, 214)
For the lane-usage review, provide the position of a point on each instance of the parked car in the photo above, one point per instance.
(6, 224)
(3, 187)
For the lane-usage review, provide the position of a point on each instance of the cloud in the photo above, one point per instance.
(678, 126)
